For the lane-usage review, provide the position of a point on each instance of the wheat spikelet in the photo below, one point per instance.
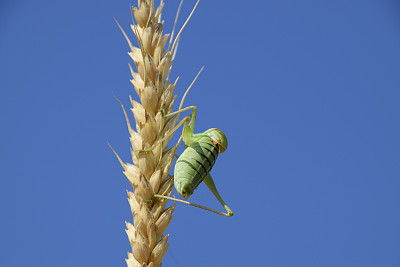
(150, 172)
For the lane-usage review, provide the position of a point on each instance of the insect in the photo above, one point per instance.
(195, 163)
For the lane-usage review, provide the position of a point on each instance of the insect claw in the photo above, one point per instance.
(143, 150)
(150, 200)
(162, 112)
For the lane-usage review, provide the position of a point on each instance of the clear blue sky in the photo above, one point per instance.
(307, 92)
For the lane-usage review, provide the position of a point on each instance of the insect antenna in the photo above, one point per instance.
(172, 36)
(175, 22)
(174, 259)
(184, 25)
(187, 90)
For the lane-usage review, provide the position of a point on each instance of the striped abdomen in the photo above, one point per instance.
(194, 164)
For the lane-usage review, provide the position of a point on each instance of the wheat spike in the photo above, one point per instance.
(149, 173)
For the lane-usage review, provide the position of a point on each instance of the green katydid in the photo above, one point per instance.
(195, 163)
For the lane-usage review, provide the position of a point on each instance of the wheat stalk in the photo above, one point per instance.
(149, 174)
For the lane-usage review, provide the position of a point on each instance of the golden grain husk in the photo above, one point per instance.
(150, 173)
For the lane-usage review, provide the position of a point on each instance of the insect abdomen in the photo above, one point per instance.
(195, 162)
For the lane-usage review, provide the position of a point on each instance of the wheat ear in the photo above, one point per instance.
(149, 174)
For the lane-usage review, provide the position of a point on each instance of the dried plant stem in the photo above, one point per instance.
(149, 174)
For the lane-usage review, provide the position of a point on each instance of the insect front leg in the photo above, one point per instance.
(159, 142)
(181, 110)
(187, 130)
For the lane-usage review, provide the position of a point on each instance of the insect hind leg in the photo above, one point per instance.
(193, 116)
(210, 184)
(189, 203)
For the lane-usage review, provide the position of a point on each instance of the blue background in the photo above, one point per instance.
(307, 93)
